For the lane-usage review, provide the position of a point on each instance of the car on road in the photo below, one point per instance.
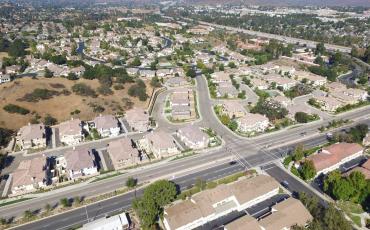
(285, 184)
(329, 136)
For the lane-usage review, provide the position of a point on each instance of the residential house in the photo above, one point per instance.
(193, 137)
(177, 82)
(147, 73)
(215, 203)
(233, 109)
(226, 89)
(220, 77)
(332, 157)
(32, 136)
(283, 100)
(161, 144)
(252, 122)
(137, 119)
(364, 169)
(4, 78)
(242, 222)
(122, 153)
(132, 71)
(282, 216)
(311, 78)
(163, 72)
(79, 163)
(29, 176)
(13, 69)
(295, 108)
(285, 215)
(328, 103)
(107, 126)
(259, 84)
(70, 132)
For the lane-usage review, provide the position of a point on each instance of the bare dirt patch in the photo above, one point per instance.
(61, 106)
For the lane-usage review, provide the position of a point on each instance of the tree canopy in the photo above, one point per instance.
(150, 206)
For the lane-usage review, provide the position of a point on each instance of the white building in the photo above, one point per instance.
(252, 122)
(70, 132)
(193, 137)
(80, 163)
(32, 136)
(107, 126)
(161, 144)
(116, 222)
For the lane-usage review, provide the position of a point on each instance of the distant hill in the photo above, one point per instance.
(287, 2)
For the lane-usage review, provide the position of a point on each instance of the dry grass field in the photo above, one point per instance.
(61, 106)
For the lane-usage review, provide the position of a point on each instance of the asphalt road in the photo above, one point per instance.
(294, 186)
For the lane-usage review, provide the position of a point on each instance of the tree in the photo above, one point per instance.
(320, 49)
(155, 82)
(191, 73)
(231, 65)
(233, 125)
(5, 137)
(47, 208)
(48, 73)
(272, 109)
(49, 120)
(308, 170)
(333, 218)
(136, 62)
(28, 215)
(138, 90)
(131, 182)
(72, 77)
(150, 206)
(65, 202)
(342, 190)
(298, 153)
(17, 48)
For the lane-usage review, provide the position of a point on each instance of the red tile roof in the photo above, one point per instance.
(333, 154)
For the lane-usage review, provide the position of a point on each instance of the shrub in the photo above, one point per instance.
(49, 120)
(83, 90)
(11, 108)
(105, 90)
(40, 94)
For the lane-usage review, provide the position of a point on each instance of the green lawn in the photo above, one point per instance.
(356, 220)
(350, 207)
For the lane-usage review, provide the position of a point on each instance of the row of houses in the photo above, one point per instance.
(41, 172)
(339, 95)
(72, 132)
(213, 204)
(182, 104)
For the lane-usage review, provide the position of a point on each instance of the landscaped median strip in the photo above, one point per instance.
(14, 201)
